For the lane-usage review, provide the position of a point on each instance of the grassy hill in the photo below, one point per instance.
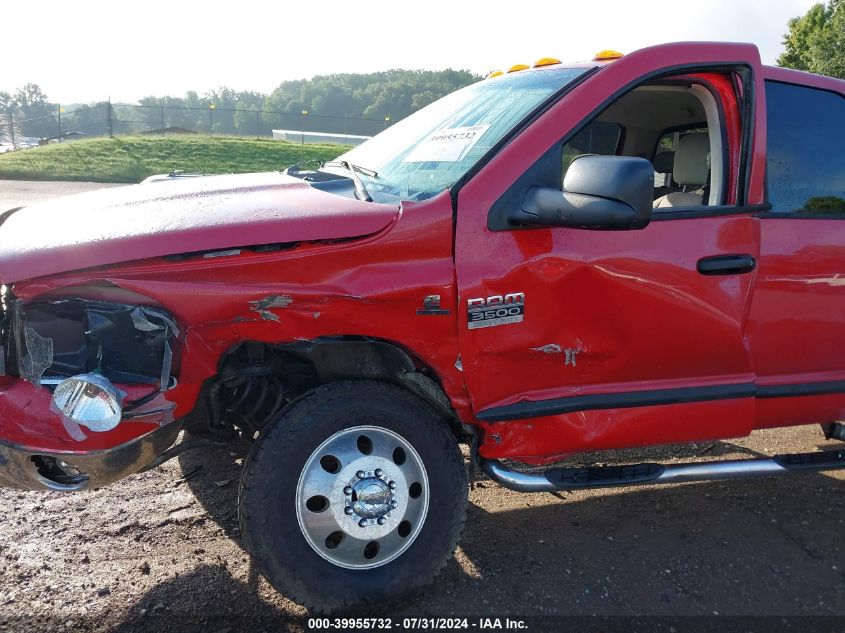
(133, 158)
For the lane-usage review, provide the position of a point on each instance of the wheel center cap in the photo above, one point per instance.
(372, 498)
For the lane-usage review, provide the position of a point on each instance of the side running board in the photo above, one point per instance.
(638, 474)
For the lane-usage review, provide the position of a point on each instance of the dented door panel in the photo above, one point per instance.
(607, 312)
(613, 312)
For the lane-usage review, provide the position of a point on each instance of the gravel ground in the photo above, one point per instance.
(165, 545)
(162, 551)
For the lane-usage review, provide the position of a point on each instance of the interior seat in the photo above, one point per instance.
(664, 163)
(691, 170)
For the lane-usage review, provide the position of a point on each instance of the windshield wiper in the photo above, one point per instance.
(296, 168)
(360, 190)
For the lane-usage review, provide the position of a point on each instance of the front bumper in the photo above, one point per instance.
(19, 467)
(33, 433)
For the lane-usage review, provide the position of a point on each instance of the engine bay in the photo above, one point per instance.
(47, 341)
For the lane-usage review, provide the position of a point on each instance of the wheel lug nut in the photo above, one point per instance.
(347, 490)
(379, 472)
(394, 504)
(362, 523)
(360, 474)
(392, 485)
(348, 510)
(382, 520)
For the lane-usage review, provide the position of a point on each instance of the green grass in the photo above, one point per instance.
(133, 158)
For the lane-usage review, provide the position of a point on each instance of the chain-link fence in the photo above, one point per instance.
(113, 119)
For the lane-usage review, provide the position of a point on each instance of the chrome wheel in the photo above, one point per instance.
(362, 497)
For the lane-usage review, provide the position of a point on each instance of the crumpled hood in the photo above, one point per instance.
(164, 218)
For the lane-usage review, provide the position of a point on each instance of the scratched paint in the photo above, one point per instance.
(570, 353)
(262, 306)
(551, 348)
(271, 301)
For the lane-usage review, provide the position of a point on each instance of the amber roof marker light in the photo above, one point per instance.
(607, 56)
(601, 56)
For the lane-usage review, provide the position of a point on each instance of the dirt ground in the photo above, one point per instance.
(165, 546)
(161, 551)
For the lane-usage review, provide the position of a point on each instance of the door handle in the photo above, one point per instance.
(726, 265)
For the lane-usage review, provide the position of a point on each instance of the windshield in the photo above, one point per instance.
(433, 148)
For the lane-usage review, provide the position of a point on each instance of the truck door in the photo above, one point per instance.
(576, 339)
(797, 334)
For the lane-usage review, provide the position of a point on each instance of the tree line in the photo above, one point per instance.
(350, 102)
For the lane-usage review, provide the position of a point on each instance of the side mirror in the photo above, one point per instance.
(599, 192)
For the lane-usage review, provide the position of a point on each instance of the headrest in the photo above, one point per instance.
(664, 162)
(692, 159)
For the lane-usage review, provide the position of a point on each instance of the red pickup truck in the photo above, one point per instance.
(637, 250)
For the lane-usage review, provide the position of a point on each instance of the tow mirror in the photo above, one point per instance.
(599, 192)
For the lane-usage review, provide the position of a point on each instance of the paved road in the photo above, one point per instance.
(158, 552)
(16, 193)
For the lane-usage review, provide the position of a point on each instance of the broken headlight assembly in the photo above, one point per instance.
(82, 347)
(89, 400)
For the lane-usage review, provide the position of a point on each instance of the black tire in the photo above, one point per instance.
(267, 505)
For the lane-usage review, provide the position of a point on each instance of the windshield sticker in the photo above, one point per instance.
(449, 145)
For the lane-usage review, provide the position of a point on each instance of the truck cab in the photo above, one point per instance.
(635, 250)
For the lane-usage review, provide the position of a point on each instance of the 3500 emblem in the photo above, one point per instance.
(495, 310)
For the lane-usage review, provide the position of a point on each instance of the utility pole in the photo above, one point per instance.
(109, 119)
(12, 129)
(61, 109)
(257, 124)
(162, 120)
(302, 134)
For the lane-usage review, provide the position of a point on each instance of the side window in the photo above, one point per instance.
(805, 136)
(681, 127)
(600, 137)
(695, 158)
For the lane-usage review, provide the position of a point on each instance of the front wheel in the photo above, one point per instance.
(357, 492)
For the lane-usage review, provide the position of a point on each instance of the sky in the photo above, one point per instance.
(91, 50)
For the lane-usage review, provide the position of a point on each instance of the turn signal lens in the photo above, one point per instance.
(90, 400)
